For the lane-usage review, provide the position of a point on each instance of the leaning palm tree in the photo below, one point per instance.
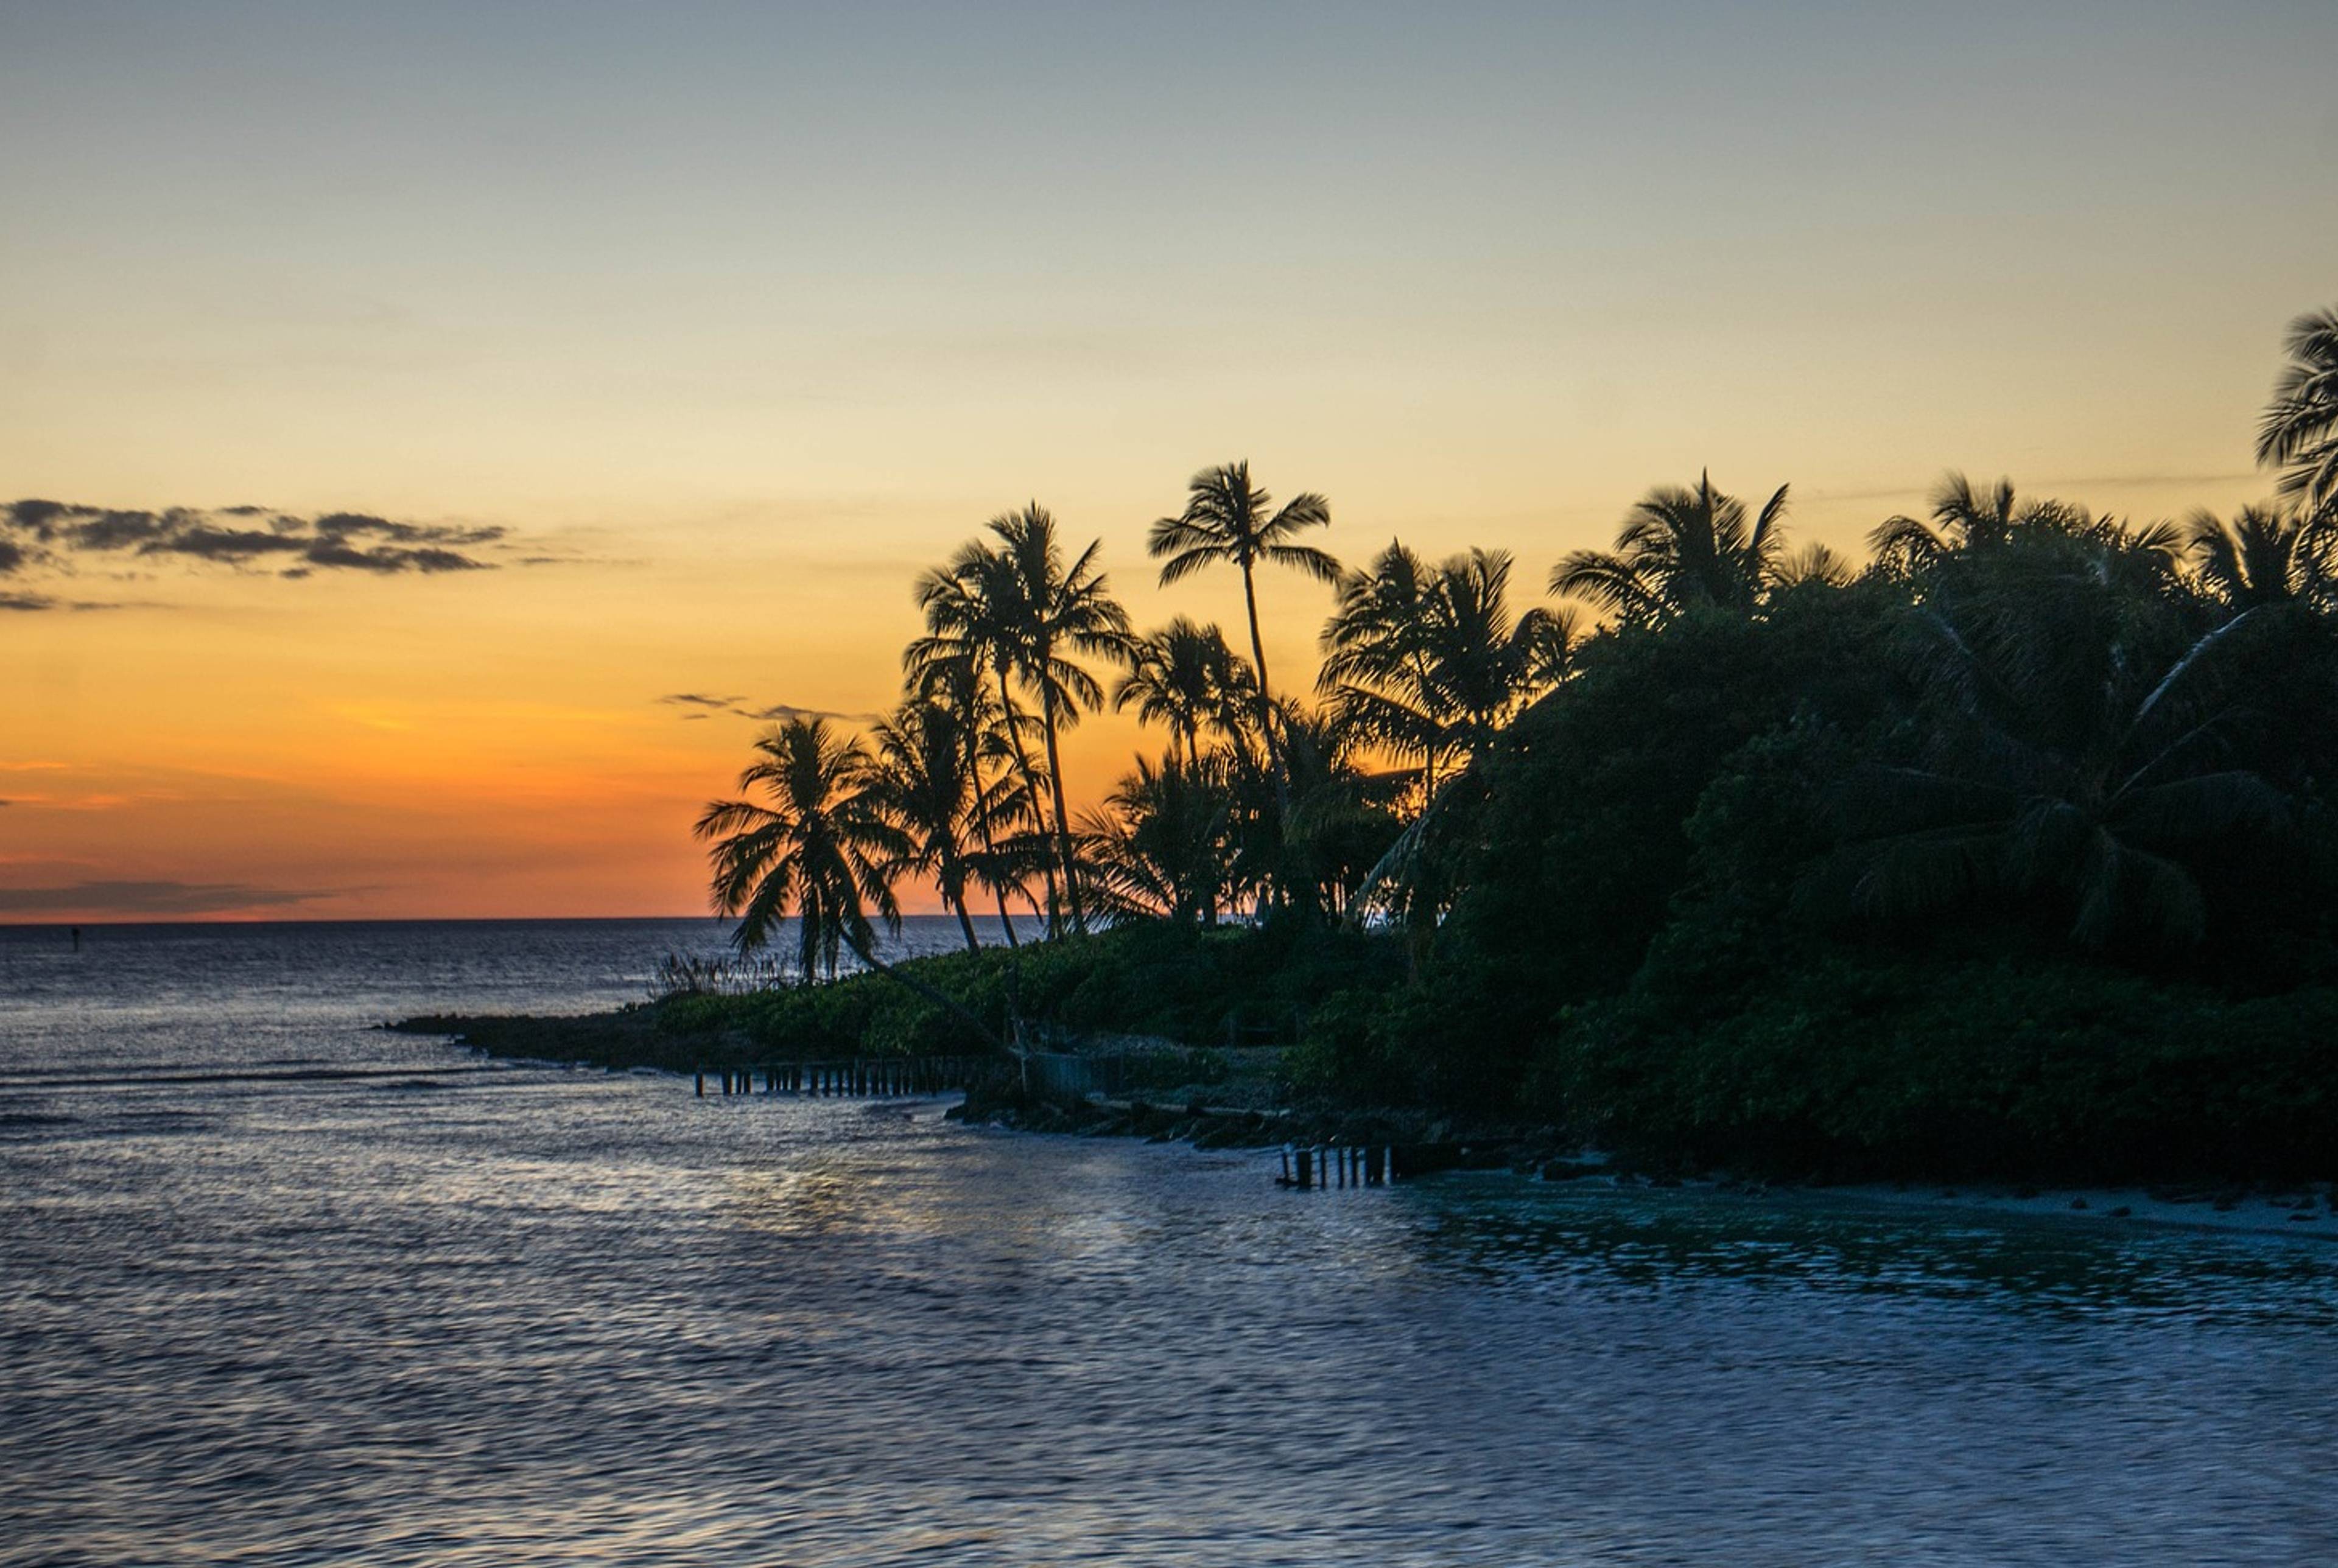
(2300, 428)
(1227, 518)
(817, 846)
(1185, 677)
(921, 784)
(991, 731)
(2265, 556)
(1964, 519)
(1677, 551)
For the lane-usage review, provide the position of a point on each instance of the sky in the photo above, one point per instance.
(577, 357)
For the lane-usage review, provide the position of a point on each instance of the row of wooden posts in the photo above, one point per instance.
(1306, 1165)
(860, 1077)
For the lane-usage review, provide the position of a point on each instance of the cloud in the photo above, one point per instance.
(702, 706)
(55, 534)
(149, 898)
(29, 601)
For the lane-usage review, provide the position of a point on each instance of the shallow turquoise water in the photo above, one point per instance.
(522, 1315)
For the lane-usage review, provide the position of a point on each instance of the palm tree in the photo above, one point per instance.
(1227, 518)
(990, 729)
(2265, 556)
(1428, 662)
(1680, 550)
(2076, 747)
(1185, 677)
(1016, 607)
(1160, 846)
(921, 783)
(1965, 520)
(821, 849)
(2300, 428)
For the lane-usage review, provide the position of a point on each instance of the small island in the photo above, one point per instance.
(2006, 853)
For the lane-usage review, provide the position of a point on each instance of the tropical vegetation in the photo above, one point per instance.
(2010, 845)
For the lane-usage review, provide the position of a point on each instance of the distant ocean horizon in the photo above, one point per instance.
(551, 962)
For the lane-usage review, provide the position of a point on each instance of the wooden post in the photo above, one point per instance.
(701, 1080)
(1306, 1178)
(1286, 1165)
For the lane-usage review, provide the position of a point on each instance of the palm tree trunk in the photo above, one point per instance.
(1266, 719)
(954, 893)
(1063, 828)
(982, 826)
(1031, 793)
(1265, 696)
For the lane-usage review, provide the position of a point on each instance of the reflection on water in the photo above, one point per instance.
(534, 1316)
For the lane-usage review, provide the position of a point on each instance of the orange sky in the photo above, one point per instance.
(733, 326)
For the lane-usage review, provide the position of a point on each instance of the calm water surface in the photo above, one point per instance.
(471, 1314)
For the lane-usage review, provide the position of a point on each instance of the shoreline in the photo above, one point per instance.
(1422, 1143)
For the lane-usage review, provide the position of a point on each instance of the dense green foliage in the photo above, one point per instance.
(1159, 978)
(2011, 850)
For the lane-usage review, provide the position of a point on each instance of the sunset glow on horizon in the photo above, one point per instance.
(603, 377)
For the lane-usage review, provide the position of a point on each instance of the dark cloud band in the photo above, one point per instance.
(134, 898)
(700, 705)
(36, 533)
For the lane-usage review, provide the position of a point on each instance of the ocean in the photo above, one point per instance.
(279, 1288)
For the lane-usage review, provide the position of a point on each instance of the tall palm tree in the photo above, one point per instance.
(1227, 518)
(1964, 519)
(2265, 556)
(819, 847)
(921, 784)
(2300, 428)
(974, 610)
(1185, 677)
(1015, 605)
(1680, 550)
(1428, 662)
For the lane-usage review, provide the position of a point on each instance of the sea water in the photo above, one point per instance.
(278, 1287)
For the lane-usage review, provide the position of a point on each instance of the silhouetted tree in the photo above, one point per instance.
(921, 783)
(1018, 607)
(1185, 677)
(1227, 519)
(2265, 556)
(1679, 550)
(2076, 746)
(818, 847)
(1428, 663)
(2299, 431)
(1964, 519)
